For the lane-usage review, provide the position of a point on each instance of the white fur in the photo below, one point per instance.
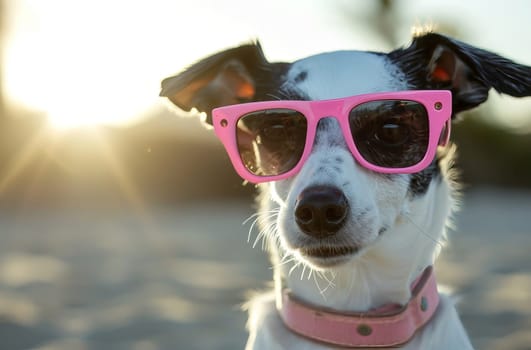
(381, 272)
(345, 73)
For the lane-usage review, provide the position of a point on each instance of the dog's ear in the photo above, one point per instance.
(434, 61)
(225, 78)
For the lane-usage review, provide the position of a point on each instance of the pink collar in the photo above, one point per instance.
(390, 325)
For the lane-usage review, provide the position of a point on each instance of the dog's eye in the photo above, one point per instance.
(280, 127)
(275, 131)
(392, 132)
(271, 142)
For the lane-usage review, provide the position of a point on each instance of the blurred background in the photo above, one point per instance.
(120, 222)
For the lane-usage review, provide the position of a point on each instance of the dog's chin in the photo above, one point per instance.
(327, 256)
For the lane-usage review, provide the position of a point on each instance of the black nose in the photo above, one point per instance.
(321, 211)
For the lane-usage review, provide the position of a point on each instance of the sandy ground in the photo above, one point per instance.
(173, 278)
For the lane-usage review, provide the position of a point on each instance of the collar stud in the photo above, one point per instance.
(424, 303)
(364, 329)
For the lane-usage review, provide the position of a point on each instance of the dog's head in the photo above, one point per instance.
(334, 209)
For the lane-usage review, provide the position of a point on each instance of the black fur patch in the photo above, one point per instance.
(485, 70)
(420, 182)
(440, 168)
(197, 87)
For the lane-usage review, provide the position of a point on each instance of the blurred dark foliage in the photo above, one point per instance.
(491, 155)
(117, 166)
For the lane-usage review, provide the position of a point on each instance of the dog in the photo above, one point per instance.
(351, 155)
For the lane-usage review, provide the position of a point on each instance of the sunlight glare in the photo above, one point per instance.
(100, 62)
(82, 63)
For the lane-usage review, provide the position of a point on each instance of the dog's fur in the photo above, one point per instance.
(396, 223)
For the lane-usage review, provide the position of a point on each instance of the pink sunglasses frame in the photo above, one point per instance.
(438, 104)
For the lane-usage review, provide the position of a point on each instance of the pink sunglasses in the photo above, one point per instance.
(391, 132)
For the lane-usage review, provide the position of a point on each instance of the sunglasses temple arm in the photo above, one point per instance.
(444, 139)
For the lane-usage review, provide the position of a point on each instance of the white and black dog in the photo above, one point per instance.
(352, 222)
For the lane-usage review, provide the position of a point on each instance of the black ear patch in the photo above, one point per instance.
(237, 75)
(434, 61)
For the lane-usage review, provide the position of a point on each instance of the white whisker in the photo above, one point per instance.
(249, 218)
(284, 261)
(303, 270)
(288, 258)
(294, 267)
(322, 291)
(329, 281)
(424, 233)
(267, 231)
(310, 273)
(261, 218)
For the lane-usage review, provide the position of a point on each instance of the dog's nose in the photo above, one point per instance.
(321, 211)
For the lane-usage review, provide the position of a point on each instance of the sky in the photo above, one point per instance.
(101, 61)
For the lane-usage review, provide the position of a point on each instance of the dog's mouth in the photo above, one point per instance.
(327, 256)
(327, 252)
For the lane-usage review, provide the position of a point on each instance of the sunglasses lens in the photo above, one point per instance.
(271, 142)
(390, 133)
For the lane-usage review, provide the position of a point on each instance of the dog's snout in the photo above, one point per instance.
(321, 211)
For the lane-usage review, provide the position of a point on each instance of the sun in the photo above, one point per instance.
(76, 64)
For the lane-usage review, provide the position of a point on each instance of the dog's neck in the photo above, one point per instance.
(358, 286)
(381, 274)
